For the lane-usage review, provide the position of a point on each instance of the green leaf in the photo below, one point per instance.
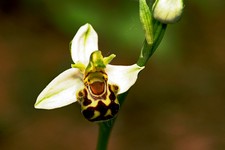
(146, 20)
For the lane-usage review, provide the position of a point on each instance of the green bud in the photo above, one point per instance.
(168, 11)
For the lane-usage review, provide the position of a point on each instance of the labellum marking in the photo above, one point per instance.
(98, 99)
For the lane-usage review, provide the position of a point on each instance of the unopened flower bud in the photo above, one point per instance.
(168, 11)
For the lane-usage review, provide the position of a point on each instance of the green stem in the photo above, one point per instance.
(104, 134)
(105, 128)
(148, 49)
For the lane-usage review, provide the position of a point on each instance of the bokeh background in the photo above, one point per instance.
(178, 102)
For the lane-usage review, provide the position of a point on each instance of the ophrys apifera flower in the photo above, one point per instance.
(91, 81)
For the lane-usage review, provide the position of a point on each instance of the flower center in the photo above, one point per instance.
(97, 87)
(98, 99)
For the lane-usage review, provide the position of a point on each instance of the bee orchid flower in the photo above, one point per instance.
(91, 80)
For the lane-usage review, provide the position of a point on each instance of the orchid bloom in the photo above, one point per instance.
(91, 81)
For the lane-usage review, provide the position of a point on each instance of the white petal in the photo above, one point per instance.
(61, 91)
(123, 76)
(83, 44)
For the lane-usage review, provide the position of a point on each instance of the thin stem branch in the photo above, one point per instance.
(105, 128)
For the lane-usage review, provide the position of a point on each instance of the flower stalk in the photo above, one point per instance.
(104, 131)
(105, 128)
(148, 49)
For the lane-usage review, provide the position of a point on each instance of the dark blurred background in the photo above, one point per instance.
(178, 102)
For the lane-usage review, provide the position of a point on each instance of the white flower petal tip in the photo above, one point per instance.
(123, 76)
(61, 91)
(83, 44)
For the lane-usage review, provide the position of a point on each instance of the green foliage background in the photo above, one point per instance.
(178, 102)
